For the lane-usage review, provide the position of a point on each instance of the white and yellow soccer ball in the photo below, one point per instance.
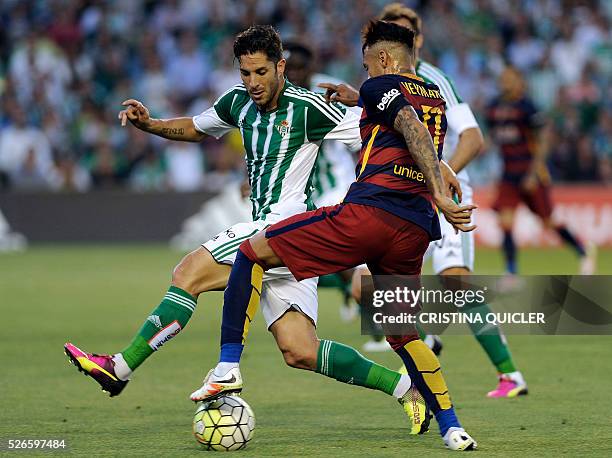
(224, 424)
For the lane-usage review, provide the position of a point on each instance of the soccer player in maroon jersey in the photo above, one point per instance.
(387, 220)
(453, 255)
(523, 136)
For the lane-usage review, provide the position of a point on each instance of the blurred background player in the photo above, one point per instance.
(453, 254)
(335, 166)
(523, 136)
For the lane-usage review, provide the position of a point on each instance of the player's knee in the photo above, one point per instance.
(300, 359)
(296, 338)
(183, 278)
(187, 275)
(199, 272)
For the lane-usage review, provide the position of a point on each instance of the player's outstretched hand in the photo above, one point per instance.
(342, 93)
(450, 180)
(136, 113)
(460, 216)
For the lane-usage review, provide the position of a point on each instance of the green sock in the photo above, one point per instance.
(492, 341)
(165, 322)
(347, 365)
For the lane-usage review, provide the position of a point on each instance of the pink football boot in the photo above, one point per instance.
(99, 367)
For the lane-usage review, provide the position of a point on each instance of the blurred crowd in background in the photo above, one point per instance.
(66, 66)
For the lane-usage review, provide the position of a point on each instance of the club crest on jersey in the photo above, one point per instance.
(388, 97)
(283, 128)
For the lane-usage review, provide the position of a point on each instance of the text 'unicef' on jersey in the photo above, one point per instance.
(388, 177)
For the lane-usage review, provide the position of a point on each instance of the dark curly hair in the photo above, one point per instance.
(259, 38)
(376, 31)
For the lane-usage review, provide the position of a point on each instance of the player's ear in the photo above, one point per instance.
(280, 66)
(418, 41)
(383, 58)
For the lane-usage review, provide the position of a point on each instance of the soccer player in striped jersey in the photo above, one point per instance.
(282, 127)
(453, 254)
(335, 166)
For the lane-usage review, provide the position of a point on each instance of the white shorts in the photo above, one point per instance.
(280, 290)
(453, 250)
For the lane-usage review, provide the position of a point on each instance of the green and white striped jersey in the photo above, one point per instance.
(335, 168)
(281, 145)
(459, 116)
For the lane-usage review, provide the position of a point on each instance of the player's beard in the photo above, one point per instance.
(271, 90)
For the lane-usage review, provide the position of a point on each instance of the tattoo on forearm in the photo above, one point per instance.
(174, 131)
(421, 147)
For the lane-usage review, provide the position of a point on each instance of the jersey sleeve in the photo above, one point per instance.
(347, 131)
(382, 99)
(322, 118)
(218, 119)
(210, 123)
(460, 117)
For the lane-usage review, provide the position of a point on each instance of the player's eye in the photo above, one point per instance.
(263, 71)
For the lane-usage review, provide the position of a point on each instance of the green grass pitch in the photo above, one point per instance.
(97, 296)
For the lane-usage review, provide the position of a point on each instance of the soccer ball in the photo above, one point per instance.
(224, 424)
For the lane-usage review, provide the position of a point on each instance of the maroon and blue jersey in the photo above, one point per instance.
(513, 124)
(387, 174)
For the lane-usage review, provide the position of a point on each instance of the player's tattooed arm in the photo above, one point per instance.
(419, 143)
(178, 131)
(421, 147)
(173, 129)
(181, 129)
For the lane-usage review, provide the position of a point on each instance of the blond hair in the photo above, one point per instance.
(396, 10)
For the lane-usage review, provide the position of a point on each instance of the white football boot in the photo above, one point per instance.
(457, 439)
(214, 387)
